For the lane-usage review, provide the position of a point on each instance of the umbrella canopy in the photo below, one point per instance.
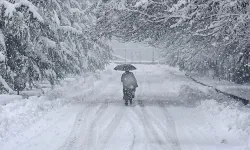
(125, 67)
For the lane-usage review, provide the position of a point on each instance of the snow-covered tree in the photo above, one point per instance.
(197, 35)
(48, 40)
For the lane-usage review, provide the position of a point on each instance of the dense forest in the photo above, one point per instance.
(196, 35)
(47, 40)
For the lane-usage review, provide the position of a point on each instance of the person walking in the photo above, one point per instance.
(129, 86)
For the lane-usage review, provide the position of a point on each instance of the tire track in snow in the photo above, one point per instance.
(110, 129)
(56, 123)
(171, 135)
(150, 129)
(91, 134)
(133, 142)
(136, 129)
(147, 144)
(134, 136)
(78, 131)
(72, 136)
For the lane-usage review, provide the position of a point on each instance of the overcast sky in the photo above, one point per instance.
(134, 51)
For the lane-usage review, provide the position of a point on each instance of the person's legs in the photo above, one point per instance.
(124, 92)
(130, 95)
(133, 93)
(125, 95)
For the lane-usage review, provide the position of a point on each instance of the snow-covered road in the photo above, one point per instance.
(113, 126)
(164, 116)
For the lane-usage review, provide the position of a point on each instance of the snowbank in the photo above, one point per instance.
(236, 119)
(5, 98)
(19, 114)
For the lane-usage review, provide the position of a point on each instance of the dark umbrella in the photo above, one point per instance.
(125, 67)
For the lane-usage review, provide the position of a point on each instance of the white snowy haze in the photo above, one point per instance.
(135, 51)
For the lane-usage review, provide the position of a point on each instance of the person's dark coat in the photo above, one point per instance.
(129, 81)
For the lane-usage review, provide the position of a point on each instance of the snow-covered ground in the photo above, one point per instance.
(169, 112)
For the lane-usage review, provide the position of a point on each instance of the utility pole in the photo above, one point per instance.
(140, 56)
(132, 59)
(125, 56)
(153, 57)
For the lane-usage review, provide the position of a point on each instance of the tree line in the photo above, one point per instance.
(196, 35)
